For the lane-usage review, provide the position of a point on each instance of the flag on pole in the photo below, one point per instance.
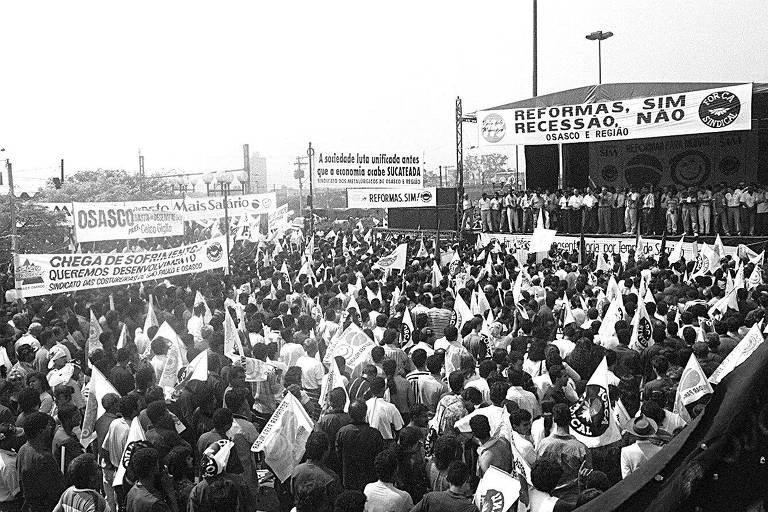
(592, 420)
(135, 435)
(461, 313)
(567, 311)
(111, 302)
(422, 253)
(151, 318)
(353, 344)
(122, 339)
(497, 491)
(197, 369)
(94, 332)
(284, 437)
(233, 347)
(395, 260)
(582, 247)
(437, 276)
(748, 344)
(332, 381)
(406, 329)
(677, 252)
(98, 386)
(719, 249)
(693, 385)
(642, 329)
(199, 299)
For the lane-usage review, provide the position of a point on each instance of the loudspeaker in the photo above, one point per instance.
(427, 217)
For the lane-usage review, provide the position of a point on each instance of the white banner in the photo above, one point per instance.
(704, 111)
(619, 246)
(43, 274)
(202, 208)
(278, 218)
(128, 220)
(392, 198)
(368, 170)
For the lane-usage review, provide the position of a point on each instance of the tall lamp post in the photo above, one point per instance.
(225, 179)
(599, 36)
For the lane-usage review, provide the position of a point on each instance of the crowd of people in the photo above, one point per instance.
(731, 210)
(435, 403)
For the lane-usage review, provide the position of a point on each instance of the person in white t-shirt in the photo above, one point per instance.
(382, 495)
(382, 415)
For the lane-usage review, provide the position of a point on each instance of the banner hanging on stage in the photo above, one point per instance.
(368, 170)
(602, 244)
(717, 110)
(127, 220)
(392, 198)
(44, 274)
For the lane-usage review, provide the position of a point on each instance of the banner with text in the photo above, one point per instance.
(392, 198)
(44, 274)
(690, 160)
(619, 246)
(121, 221)
(368, 170)
(704, 111)
(204, 208)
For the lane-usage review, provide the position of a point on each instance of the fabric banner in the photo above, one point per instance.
(692, 160)
(608, 245)
(204, 208)
(392, 197)
(121, 221)
(592, 421)
(284, 437)
(497, 491)
(703, 111)
(368, 170)
(395, 260)
(43, 274)
(352, 344)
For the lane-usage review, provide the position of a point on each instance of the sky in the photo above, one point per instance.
(188, 83)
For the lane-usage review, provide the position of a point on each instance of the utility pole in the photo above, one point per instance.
(440, 170)
(12, 204)
(535, 50)
(141, 171)
(62, 171)
(298, 173)
(247, 165)
(311, 155)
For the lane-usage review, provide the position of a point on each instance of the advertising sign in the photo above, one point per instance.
(704, 111)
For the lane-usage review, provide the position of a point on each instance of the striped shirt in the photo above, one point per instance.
(404, 363)
(82, 500)
(439, 318)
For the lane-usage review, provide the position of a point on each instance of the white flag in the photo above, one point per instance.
(406, 329)
(332, 381)
(693, 385)
(151, 318)
(739, 354)
(284, 437)
(395, 260)
(98, 386)
(199, 299)
(94, 332)
(233, 347)
(461, 313)
(642, 329)
(135, 434)
(497, 491)
(592, 420)
(437, 276)
(121, 340)
(353, 344)
(677, 252)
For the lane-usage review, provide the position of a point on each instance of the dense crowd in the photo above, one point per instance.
(736, 209)
(438, 400)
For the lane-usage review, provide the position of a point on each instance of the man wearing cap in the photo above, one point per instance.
(647, 445)
(31, 337)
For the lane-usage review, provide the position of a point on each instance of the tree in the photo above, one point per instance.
(107, 185)
(483, 169)
(40, 231)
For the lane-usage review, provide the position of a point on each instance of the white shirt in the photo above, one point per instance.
(635, 455)
(195, 328)
(498, 419)
(290, 353)
(9, 477)
(385, 497)
(114, 441)
(312, 372)
(575, 202)
(564, 346)
(383, 416)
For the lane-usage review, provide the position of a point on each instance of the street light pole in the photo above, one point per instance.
(599, 36)
(311, 155)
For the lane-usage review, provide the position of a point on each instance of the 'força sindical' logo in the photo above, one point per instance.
(493, 128)
(589, 416)
(719, 109)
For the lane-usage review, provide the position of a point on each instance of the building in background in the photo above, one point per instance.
(258, 173)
